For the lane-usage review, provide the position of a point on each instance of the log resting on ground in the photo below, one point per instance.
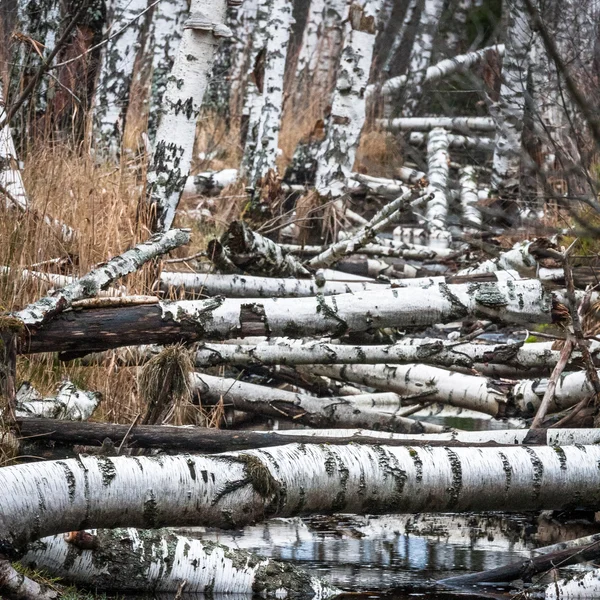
(346, 411)
(495, 398)
(218, 318)
(232, 490)
(210, 440)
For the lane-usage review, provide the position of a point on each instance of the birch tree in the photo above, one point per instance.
(182, 99)
(167, 28)
(510, 108)
(116, 75)
(266, 136)
(336, 155)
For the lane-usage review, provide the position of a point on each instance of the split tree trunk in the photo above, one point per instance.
(182, 99)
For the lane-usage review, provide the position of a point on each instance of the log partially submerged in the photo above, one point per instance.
(234, 489)
(136, 560)
(218, 318)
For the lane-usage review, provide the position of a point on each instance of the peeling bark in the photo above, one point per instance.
(231, 490)
(218, 318)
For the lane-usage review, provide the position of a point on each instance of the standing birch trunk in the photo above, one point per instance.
(420, 55)
(182, 99)
(336, 155)
(167, 28)
(264, 153)
(469, 198)
(116, 74)
(510, 108)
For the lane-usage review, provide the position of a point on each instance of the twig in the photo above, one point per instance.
(563, 359)
(137, 417)
(44, 66)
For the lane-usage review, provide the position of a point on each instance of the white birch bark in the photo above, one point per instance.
(182, 99)
(248, 286)
(136, 560)
(264, 153)
(410, 11)
(438, 160)
(167, 27)
(456, 141)
(467, 391)
(420, 55)
(465, 124)
(579, 586)
(444, 68)
(17, 585)
(70, 403)
(518, 259)
(345, 411)
(309, 47)
(336, 155)
(469, 198)
(384, 186)
(510, 108)
(101, 277)
(210, 182)
(116, 73)
(424, 350)
(254, 97)
(231, 490)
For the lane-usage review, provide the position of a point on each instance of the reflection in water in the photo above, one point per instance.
(396, 557)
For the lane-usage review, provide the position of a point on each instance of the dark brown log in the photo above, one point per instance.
(525, 569)
(200, 439)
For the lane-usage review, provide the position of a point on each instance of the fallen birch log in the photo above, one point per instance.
(210, 440)
(442, 69)
(475, 393)
(343, 411)
(249, 286)
(580, 586)
(217, 318)
(101, 277)
(239, 488)
(367, 232)
(525, 569)
(466, 124)
(417, 138)
(17, 585)
(70, 403)
(137, 560)
(255, 254)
